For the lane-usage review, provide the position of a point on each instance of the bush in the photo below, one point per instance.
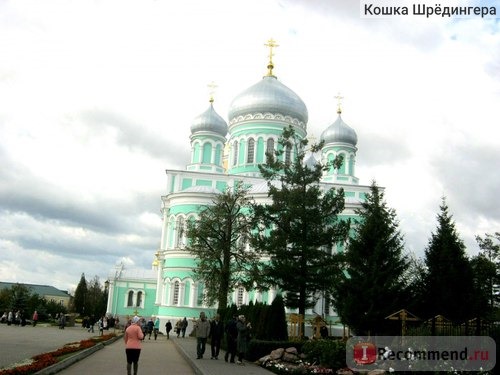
(327, 353)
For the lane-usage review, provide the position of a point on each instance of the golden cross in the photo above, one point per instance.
(339, 102)
(271, 43)
(211, 90)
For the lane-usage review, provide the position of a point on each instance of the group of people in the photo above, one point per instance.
(237, 330)
(181, 326)
(238, 334)
(17, 318)
(150, 328)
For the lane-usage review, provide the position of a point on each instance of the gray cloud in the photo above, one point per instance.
(468, 175)
(138, 137)
(376, 150)
(21, 191)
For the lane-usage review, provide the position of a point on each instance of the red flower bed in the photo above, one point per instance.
(41, 361)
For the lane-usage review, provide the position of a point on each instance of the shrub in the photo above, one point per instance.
(327, 353)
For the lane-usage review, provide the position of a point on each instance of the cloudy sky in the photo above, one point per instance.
(97, 97)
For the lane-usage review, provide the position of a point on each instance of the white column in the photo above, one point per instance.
(163, 292)
(193, 295)
(159, 284)
(182, 286)
(111, 290)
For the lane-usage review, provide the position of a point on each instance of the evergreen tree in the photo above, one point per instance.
(375, 282)
(276, 325)
(81, 295)
(490, 247)
(96, 304)
(449, 279)
(298, 229)
(483, 275)
(218, 239)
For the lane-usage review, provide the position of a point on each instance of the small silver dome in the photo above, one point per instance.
(339, 132)
(268, 96)
(311, 162)
(209, 121)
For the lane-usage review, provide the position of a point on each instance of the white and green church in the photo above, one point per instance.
(224, 153)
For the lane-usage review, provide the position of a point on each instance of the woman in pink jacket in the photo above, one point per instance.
(133, 336)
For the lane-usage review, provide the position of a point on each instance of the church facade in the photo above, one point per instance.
(223, 154)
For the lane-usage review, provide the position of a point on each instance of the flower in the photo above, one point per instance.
(41, 361)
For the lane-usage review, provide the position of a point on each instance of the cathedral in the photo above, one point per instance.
(222, 154)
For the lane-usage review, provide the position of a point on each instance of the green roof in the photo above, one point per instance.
(41, 290)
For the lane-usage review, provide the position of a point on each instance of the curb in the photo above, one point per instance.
(188, 358)
(65, 363)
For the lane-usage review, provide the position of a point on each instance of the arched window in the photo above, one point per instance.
(342, 169)
(251, 150)
(326, 306)
(176, 293)
(139, 299)
(239, 296)
(207, 153)
(130, 299)
(235, 152)
(180, 232)
(270, 147)
(288, 154)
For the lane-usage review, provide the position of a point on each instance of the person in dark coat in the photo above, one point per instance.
(150, 327)
(168, 328)
(184, 326)
(243, 337)
(231, 336)
(216, 334)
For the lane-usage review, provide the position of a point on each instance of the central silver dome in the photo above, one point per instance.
(268, 96)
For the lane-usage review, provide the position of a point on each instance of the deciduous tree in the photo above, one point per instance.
(218, 240)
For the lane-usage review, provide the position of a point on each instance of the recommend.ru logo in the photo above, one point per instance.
(421, 353)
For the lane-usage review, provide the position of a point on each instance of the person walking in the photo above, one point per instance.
(144, 327)
(91, 324)
(62, 321)
(231, 337)
(243, 337)
(184, 326)
(150, 327)
(156, 327)
(216, 334)
(133, 336)
(168, 328)
(35, 318)
(202, 329)
(178, 326)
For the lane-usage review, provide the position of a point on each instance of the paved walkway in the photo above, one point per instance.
(18, 343)
(176, 356)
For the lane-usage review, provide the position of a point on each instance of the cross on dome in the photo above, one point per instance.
(271, 43)
(339, 102)
(211, 91)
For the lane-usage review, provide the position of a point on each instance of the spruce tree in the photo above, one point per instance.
(449, 282)
(81, 294)
(374, 284)
(276, 325)
(298, 229)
